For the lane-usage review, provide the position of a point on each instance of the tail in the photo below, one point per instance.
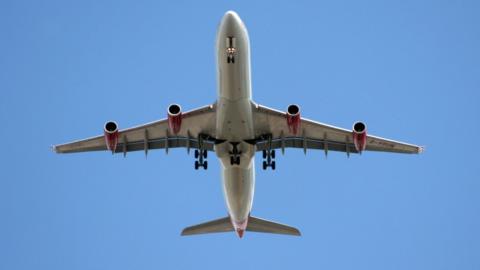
(254, 225)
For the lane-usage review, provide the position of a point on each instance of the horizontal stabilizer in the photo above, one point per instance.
(254, 225)
(265, 226)
(214, 226)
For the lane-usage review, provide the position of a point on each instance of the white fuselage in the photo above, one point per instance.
(234, 117)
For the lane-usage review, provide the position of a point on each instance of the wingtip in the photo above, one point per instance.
(54, 149)
(184, 232)
(421, 149)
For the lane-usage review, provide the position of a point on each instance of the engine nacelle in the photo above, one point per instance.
(110, 131)
(293, 118)
(174, 118)
(359, 136)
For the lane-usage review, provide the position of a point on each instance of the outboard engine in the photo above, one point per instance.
(110, 131)
(359, 136)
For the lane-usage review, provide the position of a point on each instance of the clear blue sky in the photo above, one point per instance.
(409, 69)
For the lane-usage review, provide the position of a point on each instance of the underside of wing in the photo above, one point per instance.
(195, 129)
(279, 130)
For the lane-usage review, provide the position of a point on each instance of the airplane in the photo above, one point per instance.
(235, 128)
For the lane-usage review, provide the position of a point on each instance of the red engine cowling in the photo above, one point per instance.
(359, 136)
(293, 118)
(174, 118)
(110, 132)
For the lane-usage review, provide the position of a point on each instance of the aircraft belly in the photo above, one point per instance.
(238, 187)
(234, 119)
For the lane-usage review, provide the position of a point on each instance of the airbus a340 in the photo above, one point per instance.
(235, 127)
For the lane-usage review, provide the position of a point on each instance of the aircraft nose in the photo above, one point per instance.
(230, 15)
(230, 19)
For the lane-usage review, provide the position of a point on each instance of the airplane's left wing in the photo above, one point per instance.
(277, 131)
(197, 130)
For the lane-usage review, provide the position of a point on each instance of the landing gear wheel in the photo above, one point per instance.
(237, 160)
(205, 165)
(196, 165)
(233, 59)
(205, 153)
(264, 153)
(196, 154)
(273, 165)
(232, 161)
(272, 154)
(264, 165)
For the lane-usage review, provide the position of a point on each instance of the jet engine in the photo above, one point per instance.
(174, 118)
(293, 118)
(110, 131)
(359, 136)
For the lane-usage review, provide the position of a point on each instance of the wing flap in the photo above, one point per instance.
(308, 143)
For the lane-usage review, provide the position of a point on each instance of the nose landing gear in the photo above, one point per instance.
(231, 50)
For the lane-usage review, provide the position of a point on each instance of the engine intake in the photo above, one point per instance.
(359, 136)
(110, 132)
(293, 118)
(174, 118)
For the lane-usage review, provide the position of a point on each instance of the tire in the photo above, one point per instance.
(233, 59)
(196, 154)
(232, 161)
(273, 153)
(238, 160)
(264, 165)
(264, 153)
(196, 165)
(273, 165)
(205, 153)
(205, 165)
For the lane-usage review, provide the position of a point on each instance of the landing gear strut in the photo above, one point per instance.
(268, 159)
(201, 156)
(235, 154)
(231, 50)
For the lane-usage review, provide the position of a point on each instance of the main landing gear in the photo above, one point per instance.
(235, 154)
(201, 156)
(268, 159)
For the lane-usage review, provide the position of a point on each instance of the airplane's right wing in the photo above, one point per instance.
(315, 135)
(197, 130)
